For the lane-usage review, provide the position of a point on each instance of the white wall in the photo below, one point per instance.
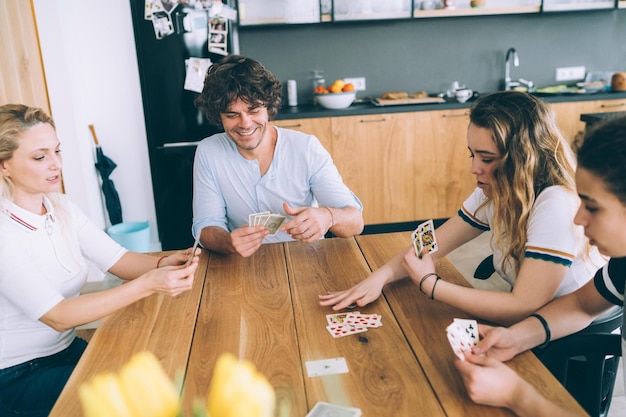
(90, 63)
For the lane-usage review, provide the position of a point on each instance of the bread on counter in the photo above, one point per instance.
(419, 94)
(394, 95)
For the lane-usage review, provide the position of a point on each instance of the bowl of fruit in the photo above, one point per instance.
(338, 96)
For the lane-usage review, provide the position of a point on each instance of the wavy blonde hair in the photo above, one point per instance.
(534, 156)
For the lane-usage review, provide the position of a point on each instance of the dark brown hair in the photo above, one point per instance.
(238, 77)
(603, 153)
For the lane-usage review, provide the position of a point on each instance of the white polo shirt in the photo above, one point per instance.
(43, 261)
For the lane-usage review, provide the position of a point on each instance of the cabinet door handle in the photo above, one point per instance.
(373, 121)
(290, 126)
(611, 105)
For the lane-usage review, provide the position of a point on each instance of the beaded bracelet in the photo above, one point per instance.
(424, 279)
(544, 323)
(160, 259)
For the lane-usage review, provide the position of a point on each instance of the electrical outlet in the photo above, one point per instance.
(357, 82)
(570, 73)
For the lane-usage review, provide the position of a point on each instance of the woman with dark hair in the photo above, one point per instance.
(601, 185)
(45, 245)
(525, 196)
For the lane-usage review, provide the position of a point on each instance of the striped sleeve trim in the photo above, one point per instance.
(606, 287)
(472, 221)
(550, 255)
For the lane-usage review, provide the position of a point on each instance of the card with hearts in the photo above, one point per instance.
(367, 320)
(462, 335)
(341, 330)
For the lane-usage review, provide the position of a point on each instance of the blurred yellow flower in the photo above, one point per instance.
(237, 389)
(141, 389)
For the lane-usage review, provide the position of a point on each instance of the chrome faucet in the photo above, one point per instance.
(508, 84)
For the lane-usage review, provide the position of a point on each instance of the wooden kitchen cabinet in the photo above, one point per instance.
(319, 127)
(376, 156)
(405, 166)
(568, 114)
(442, 163)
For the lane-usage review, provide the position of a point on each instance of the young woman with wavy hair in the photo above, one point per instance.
(526, 198)
(601, 184)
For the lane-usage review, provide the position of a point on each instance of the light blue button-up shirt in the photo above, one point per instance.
(227, 188)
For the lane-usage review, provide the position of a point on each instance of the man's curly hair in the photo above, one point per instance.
(238, 77)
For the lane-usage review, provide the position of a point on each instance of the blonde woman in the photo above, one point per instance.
(525, 196)
(44, 245)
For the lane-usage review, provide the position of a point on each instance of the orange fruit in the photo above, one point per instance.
(336, 88)
(348, 87)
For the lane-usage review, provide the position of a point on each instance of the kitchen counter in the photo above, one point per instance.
(306, 111)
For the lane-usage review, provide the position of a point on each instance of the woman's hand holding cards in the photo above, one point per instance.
(171, 280)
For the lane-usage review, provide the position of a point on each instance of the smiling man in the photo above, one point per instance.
(253, 167)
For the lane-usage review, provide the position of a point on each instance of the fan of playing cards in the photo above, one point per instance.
(270, 220)
(462, 335)
(424, 238)
(345, 324)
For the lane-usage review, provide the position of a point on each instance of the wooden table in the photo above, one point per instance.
(264, 309)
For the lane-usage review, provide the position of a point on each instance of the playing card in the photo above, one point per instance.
(274, 222)
(193, 251)
(326, 367)
(456, 344)
(462, 335)
(337, 318)
(367, 320)
(322, 409)
(417, 243)
(470, 328)
(341, 330)
(427, 235)
(424, 238)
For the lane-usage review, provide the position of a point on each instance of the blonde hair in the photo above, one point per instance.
(15, 119)
(534, 156)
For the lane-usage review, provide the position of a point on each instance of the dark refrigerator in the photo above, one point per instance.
(173, 124)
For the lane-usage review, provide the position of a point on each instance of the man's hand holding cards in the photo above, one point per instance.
(462, 335)
(271, 221)
(423, 238)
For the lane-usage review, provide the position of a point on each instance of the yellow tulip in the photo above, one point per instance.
(148, 390)
(237, 389)
(102, 397)
(141, 389)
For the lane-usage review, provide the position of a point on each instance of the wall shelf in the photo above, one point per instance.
(328, 11)
(475, 11)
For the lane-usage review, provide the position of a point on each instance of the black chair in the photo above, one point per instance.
(586, 364)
